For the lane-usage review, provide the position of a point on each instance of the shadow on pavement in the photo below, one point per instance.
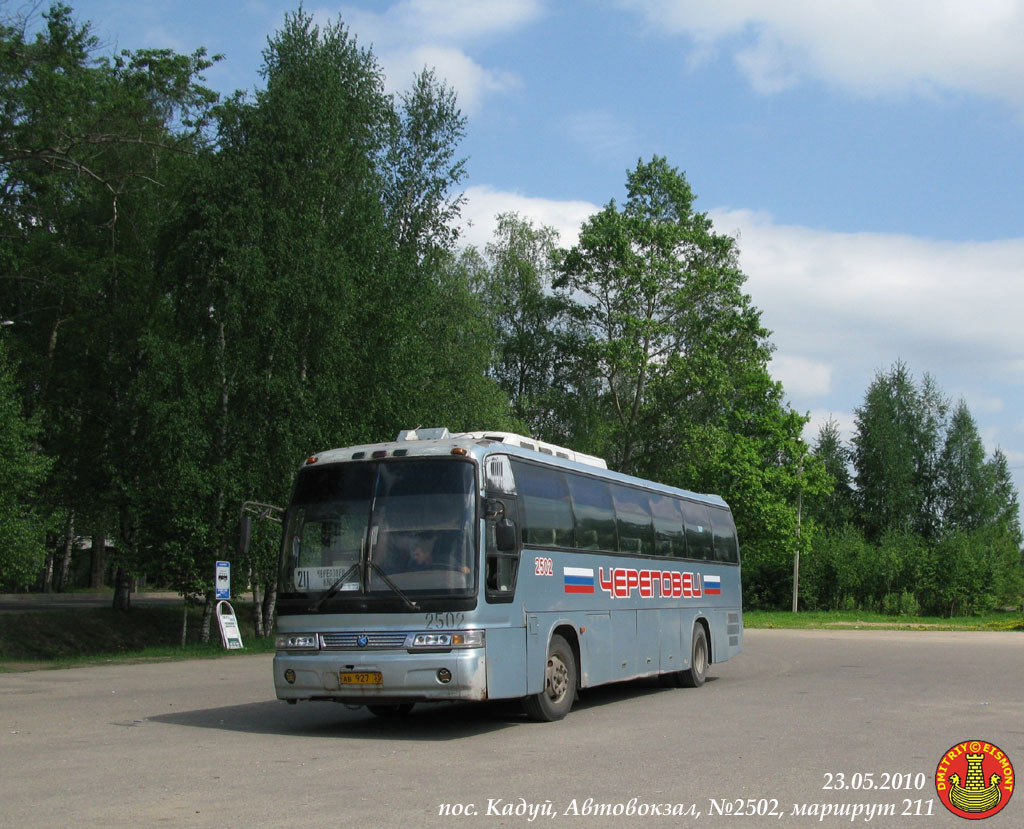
(427, 722)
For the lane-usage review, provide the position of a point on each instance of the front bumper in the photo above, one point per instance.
(405, 676)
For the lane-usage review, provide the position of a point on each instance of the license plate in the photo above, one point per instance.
(362, 678)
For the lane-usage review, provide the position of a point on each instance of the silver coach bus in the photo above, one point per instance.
(486, 565)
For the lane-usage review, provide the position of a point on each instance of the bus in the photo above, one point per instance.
(487, 565)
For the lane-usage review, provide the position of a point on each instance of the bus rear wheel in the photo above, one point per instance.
(695, 675)
(559, 692)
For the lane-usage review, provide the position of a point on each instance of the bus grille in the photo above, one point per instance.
(374, 641)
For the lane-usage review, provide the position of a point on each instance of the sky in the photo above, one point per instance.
(867, 155)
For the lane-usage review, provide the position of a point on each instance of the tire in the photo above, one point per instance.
(695, 675)
(670, 680)
(559, 693)
(398, 710)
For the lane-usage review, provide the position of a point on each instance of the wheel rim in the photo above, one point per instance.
(700, 657)
(557, 679)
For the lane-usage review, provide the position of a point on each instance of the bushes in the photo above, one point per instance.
(963, 574)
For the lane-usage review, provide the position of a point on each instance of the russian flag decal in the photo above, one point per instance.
(578, 579)
(712, 585)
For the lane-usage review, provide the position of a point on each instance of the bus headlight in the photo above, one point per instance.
(297, 642)
(448, 639)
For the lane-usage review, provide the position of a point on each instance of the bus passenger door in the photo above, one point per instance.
(596, 652)
(624, 652)
(506, 662)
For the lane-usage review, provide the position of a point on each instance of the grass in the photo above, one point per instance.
(859, 619)
(85, 636)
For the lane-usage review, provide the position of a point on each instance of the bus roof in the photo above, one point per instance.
(440, 442)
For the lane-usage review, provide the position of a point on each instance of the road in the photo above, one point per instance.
(204, 743)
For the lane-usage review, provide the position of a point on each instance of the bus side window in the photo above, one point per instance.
(546, 512)
(726, 547)
(594, 513)
(633, 516)
(669, 536)
(698, 531)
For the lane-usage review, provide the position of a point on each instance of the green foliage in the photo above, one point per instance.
(896, 452)
(937, 526)
(833, 507)
(87, 145)
(962, 574)
(963, 488)
(657, 294)
(536, 360)
(310, 296)
(834, 571)
(22, 472)
(900, 604)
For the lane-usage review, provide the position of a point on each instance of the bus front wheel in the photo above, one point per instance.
(695, 675)
(559, 692)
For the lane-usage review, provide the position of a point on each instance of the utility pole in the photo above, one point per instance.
(796, 555)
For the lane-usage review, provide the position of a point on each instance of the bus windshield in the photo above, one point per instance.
(380, 530)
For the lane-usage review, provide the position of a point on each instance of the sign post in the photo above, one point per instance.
(230, 635)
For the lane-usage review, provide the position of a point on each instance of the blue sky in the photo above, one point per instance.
(868, 155)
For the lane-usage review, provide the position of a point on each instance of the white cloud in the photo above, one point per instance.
(844, 306)
(802, 376)
(985, 404)
(862, 298)
(871, 47)
(845, 421)
(457, 20)
(483, 204)
(411, 35)
(470, 81)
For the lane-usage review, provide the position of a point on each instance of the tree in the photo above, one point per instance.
(533, 354)
(834, 508)
(1005, 507)
(1004, 531)
(22, 471)
(261, 265)
(657, 292)
(896, 449)
(310, 298)
(422, 167)
(680, 359)
(85, 146)
(964, 488)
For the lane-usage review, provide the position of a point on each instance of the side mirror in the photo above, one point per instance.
(505, 535)
(244, 535)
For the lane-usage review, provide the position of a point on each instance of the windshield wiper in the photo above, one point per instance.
(408, 602)
(334, 588)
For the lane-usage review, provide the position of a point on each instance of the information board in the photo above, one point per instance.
(230, 635)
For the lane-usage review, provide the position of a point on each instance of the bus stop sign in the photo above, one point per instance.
(222, 581)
